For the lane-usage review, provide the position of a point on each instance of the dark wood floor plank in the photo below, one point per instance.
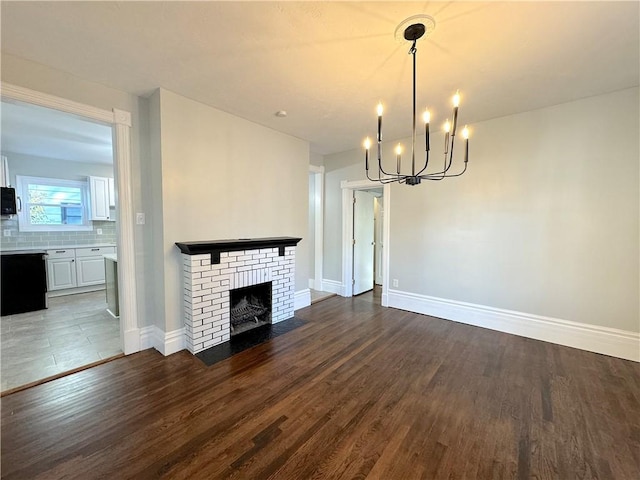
(359, 391)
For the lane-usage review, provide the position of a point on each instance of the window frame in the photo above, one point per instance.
(24, 220)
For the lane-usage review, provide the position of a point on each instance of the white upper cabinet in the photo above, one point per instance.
(99, 189)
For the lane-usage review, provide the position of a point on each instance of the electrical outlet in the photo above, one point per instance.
(6, 233)
(395, 282)
(140, 218)
(99, 231)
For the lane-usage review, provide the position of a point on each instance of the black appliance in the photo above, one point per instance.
(8, 201)
(23, 282)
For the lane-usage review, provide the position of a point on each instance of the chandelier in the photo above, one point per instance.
(412, 33)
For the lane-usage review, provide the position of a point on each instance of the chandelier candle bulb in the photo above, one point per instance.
(456, 104)
(367, 145)
(465, 135)
(398, 156)
(427, 118)
(379, 110)
(447, 129)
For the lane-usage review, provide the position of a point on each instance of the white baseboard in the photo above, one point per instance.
(74, 291)
(147, 335)
(608, 341)
(301, 299)
(165, 343)
(332, 286)
(174, 341)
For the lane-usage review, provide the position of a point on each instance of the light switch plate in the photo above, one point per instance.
(140, 220)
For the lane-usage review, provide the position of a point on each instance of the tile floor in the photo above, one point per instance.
(74, 331)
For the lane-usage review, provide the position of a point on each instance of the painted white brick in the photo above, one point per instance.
(206, 290)
(202, 304)
(202, 316)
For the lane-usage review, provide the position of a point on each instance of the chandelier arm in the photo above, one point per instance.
(441, 175)
(373, 179)
(382, 169)
(399, 179)
(427, 177)
(448, 165)
(383, 180)
(426, 164)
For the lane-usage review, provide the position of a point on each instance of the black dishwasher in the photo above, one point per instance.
(23, 282)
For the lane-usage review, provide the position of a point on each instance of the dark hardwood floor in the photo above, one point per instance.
(360, 391)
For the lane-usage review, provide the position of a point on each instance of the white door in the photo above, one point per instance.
(363, 233)
(379, 220)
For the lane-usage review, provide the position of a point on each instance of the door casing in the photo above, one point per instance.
(347, 234)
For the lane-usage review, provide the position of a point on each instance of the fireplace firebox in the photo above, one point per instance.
(250, 307)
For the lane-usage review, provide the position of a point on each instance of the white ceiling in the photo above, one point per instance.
(46, 133)
(329, 63)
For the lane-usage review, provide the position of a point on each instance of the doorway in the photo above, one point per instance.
(351, 259)
(363, 243)
(316, 202)
(120, 122)
(56, 161)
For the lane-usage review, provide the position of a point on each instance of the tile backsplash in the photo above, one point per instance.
(19, 239)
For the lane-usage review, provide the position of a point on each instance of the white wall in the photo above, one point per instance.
(311, 230)
(316, 159)
(545, 221)
(54, 168)
(225, 177)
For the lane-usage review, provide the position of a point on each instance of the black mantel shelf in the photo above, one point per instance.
(214, 247)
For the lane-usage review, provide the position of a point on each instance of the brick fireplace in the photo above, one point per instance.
(211, 270)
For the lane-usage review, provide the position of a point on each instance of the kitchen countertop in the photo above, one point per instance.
(53, 247)
(23, 251)
(111, 256)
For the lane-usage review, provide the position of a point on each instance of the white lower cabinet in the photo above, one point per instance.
(61, 269)
(76, 267)
(90, 266)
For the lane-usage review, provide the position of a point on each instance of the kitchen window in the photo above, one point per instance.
(52, 204)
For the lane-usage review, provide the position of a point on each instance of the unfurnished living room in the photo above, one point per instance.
(320, 240)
